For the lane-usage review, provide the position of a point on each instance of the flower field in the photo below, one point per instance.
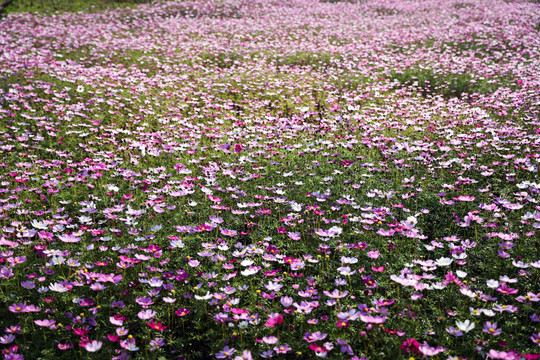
(285, 179)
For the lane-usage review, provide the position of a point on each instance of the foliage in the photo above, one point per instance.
(66, 5)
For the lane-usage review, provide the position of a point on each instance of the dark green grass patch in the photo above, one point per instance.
(430, 82)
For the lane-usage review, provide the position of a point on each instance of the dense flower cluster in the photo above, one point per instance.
(257, 179)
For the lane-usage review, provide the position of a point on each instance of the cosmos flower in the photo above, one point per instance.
(453, 331)
(372, 319)
(345, 347)
(156, 343)
(429, 351)
(146, 314)
(535, 338)
(227, 352)
(18, 308)
(182, 312)
(491, 328)
(69, 238)
(156, 325)
(465, 326)
(45, 322)
(316, 336)
(7, 339)
(336, 294)
(273, 320)
(506, 355)
(270, 340)
(282, 349)
(246, 355)
(145, 302)
(93, 346)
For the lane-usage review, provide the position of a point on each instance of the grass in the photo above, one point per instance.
(43, 6)
(429, 82)
(382, 11)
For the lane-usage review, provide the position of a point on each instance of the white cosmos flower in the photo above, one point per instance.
(346, 271)
(205, 297)
(93, 346)
(85, 219)
(113, 188)
(58, 287)
(296, 207)
(348, 260)
(467, 292)
(476, 312)
(439, 286)
(465, 326)
(443, 261)
(250, 271)
(155, 282)
(410, 222)
(58, 228)
(246, 262)
(39, 225)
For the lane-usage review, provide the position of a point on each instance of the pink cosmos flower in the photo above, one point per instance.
(273, 320)
(464, 198)
(270, 340)
(45, 322)
(93, 346)
(335, 294)
(156, 325)
(294, 235)
(18, 308)
(372, 319)
(116, 320)
(427, 350)
(316, 336)
(146, 314)
(505, 290)
(282, 349)
(506, 355)
(69, 238)
(320, 351)
(228, 232)
(246, 355)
